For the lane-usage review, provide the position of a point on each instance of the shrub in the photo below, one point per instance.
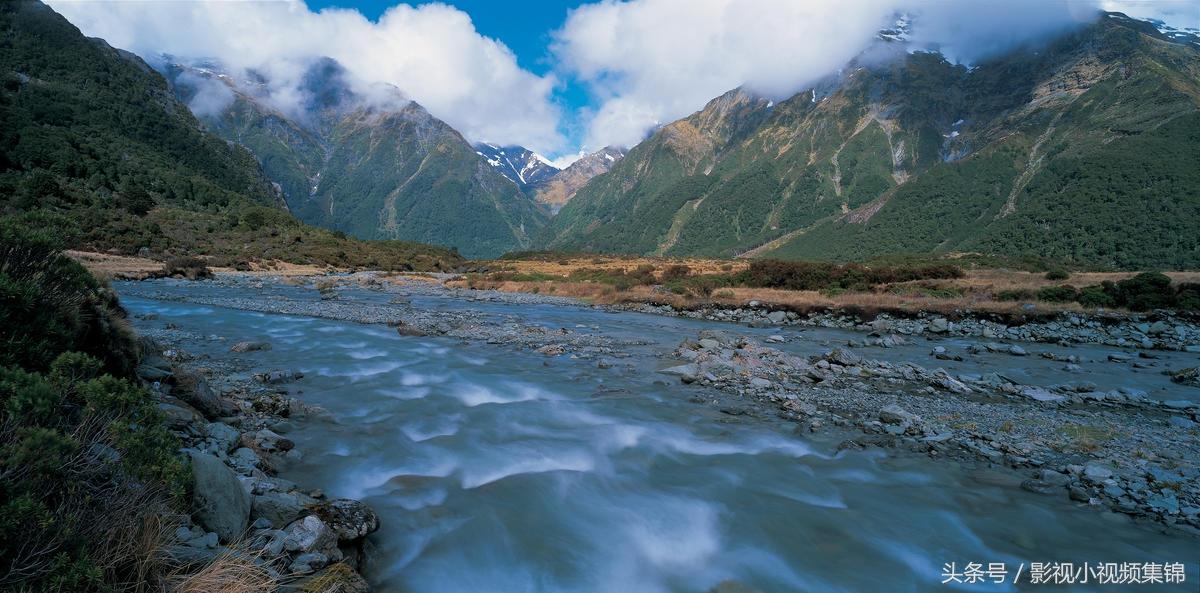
(1058, 294)
(192, 268)
(1187, 297)
(819, 275)
(675, 272)
(1019, 294)
(1146, 291)
(1095, 296)
(1057, 274)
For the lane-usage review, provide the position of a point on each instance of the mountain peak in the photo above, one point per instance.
(519, 164)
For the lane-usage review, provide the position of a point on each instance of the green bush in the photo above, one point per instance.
(1095, 296)
(798, 275)
(1146, 291)
(1057, 274)
(1058, 294)
(1019, 294)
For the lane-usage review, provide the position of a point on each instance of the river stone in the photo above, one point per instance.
(281, 508)
(219, 501)
(250, 346)
(939, 325)
(760, 382)
(709, 344)
(202, 397)
(348, 519)
(309, 534)
(777, 317)
(1096, 472)
(894, 414)
(225, 436)
(685, 371)
(843, 357)
(1016, 350)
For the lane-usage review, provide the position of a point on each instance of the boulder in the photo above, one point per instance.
(348, 519)
(281, 508)
(219, 501)
(843, 357)
(197, 392)
(939, 325)
(309, 534)
(223, 435)
(777, 317)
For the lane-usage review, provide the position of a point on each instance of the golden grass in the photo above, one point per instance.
(229, 572)
(109, 267)
(565, 266)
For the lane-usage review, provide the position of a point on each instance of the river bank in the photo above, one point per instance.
(1119, 447)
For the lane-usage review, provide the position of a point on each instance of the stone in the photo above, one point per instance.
(1042, 394)
(1016, 350)
(760, 382)
(1096, 472)
(1119, 357)
(1050, 476)
(219, 501)
(894, 414)
(245, 460)
(1181, 423)
(250, 346)
(942, 379)
(281, 508)
(939, 325)
(777, 317)
(1040, 487)
(843, 357)
(202, 397)
(309, 534)
(308, 562)
(336, 578)
(223, 435)
(687, 372)
(348, 519)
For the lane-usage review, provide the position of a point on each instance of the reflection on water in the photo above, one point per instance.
(501, 470)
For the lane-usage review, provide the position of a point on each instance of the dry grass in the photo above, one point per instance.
(564, 266)
(230, 572)
(119, 267)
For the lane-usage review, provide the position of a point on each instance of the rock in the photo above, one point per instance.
(1079, 494)
(410, 330)
(709, 344)
(219, 501)
(1120, 357)
(894, 414)
(687, 372)
(775, 339)
(201, 396)
(223, 435)
(938, 350)
(777, 317)
(250, 346)
(1042, 394)
(1181, 422)
(1040, 487)
(268, 440)
(760, 382)
(1189, 376)
(1050, 476)
(309, 534)
(843, 357)
(348, 519)
(245, 460)
(153, 374)
(1016, 350)
(552, 350)
(281, 508)
(942, 379)
(308, 562)
(939, 325)
(1096, 472)
(178, 417)
(277, 376)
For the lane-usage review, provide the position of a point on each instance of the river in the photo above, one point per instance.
(500, 469)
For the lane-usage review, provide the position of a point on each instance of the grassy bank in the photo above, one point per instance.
(897, 285)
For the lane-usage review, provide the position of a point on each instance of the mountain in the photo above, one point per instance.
(363, 159)
(1085, 148)
(520, 165)
(558, 189)
(95, 148)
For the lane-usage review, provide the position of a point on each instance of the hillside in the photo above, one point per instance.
(94, 145)
(1085, 150)
(375, 168)
(555, 191)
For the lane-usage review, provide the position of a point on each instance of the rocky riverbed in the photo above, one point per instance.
(1106, 447)
(233, 420)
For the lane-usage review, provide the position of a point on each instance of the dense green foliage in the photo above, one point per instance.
(791, 275)
(87, 468)
(94, 145)
(912, 154)
(1144, 292)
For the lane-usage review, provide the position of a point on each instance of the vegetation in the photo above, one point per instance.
(1143, 292)
(93, 144)
(819, 275)
(917, 155)
(88, 473)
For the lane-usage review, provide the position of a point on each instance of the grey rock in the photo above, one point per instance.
(281, 508)
(1096, 472)
(348, 519)
(777, 317)
(939, 325)
(219, 501)
(250, 346)
(309, 534)
(843, 357)
(1016, 350)
(224, 435)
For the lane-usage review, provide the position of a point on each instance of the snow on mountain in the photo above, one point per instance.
(521, 165)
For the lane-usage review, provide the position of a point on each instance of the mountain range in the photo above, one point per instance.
(1085, 148)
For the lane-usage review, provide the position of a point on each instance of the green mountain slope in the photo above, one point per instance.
(373, 169)
(1083, 150)
(94, 144)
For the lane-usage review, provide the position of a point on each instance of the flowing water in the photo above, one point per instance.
(496, 469)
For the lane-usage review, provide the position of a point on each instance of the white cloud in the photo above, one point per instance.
(651, 61)
(432, 53)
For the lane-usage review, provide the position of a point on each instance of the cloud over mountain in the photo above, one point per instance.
(432, 53)
(653, 61)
